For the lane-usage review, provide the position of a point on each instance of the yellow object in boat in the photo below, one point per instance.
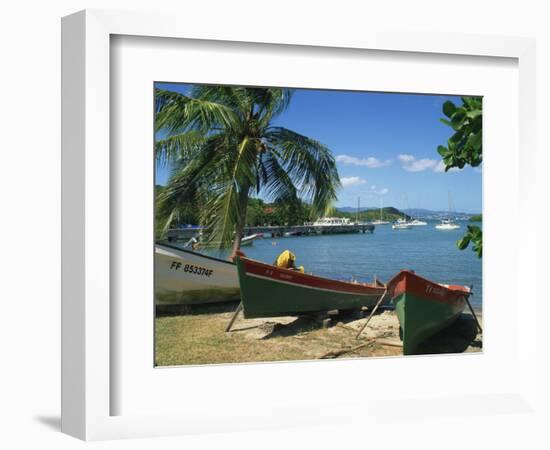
(286, 260)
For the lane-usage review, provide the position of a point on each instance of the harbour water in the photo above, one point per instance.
(431, 253)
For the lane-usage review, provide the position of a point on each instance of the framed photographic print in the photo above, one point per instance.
(250, 221)
(253, 215)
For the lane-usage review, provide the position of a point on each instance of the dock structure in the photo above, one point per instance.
(175, 234)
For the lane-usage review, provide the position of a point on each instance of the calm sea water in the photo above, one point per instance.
(431, 253)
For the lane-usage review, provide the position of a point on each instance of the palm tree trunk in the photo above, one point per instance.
(243, 204)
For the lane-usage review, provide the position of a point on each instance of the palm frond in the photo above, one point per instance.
(272, 102)
(309, 164)
(181, 146)
(229, 194)
(177, 113)
(221, 213)
(232, 97)
(189, 176)
(276, 183)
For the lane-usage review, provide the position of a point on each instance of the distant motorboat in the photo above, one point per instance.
(447, 224)
(245, 241)
(292, 233)
(331, 225)
(331, 222)
(248, 240)
(417, 223)
(401, 226)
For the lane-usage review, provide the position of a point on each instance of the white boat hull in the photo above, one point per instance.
(184, 278)
(446, 226)
(248, 240)
(401, 226)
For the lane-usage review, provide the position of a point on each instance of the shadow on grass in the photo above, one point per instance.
(193, 310)
(304, 324)
(300, 325)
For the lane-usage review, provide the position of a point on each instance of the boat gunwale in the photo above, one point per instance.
(453, 293)
(191, 252)
(375, 289)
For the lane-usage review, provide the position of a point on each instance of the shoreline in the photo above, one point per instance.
(197, 337)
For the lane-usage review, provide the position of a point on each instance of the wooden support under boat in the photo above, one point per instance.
(378, 303)
(472, 311)
(234, 317)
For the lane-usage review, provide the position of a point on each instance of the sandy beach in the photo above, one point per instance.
(197, 336)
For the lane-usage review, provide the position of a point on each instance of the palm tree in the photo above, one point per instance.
(222, 147)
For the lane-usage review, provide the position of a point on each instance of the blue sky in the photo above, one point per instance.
(385, 146)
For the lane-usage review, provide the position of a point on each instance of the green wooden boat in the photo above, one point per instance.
(270, 291)
(424, 307)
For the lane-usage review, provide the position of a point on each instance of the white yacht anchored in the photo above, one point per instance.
(380, 221)
(401, 224)
(448, 224)
(417, 223)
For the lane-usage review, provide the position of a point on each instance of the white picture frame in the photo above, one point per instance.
(87, 326)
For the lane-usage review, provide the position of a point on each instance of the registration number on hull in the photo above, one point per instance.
(191, 268)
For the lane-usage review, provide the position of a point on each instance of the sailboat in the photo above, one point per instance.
(448, 224)
(380, 221)
(417, 223)
(402, 223)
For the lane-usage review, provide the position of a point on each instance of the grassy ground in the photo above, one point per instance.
(197, 336)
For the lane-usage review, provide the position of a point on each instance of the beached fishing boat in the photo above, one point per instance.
(270, 291)
(184, 277)
(424, 307)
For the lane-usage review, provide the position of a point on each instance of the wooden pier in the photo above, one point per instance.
(175, 234)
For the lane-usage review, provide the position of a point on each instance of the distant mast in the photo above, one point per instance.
(358, 208)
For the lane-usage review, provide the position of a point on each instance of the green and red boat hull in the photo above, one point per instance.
(424, 307)
(270, 291)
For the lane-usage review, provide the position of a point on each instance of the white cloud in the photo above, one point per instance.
(352, 181)
(411, 164)
(439, 167)
(370, 162)
(379, 191)
(406, 158)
